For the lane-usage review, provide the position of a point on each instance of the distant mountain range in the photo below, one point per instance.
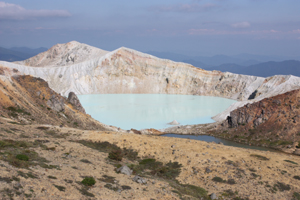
(240, 59)
(19, 53)
(248, 64)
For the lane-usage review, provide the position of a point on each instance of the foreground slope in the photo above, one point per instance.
(60, 158)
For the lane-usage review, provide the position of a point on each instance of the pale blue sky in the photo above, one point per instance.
(196, 27)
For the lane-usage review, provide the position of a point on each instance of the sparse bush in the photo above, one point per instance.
(291, 162)
(111, 187)
(282, 187)
(107, 179)
(231, 181)
(218, 179)
(22, 157)
(259, 157)
(60, 188)
(88, 181)
(85, 161)
(297, 177)
(116, 155)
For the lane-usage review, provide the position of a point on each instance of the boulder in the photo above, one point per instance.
(124, 170)
(139, 179)
(213, 196)
(73, 99)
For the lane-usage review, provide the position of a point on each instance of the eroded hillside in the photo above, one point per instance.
(29, 100)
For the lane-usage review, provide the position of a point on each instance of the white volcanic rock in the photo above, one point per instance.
(174, 122)
(129, 71)
(64, 55)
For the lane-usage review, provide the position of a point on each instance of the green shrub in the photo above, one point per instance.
(22, 157)
(297, 177)
(88, 181)
(218, 179)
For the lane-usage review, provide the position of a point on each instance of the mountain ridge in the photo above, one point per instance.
(126, 70)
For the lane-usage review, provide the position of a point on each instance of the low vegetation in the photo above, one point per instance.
(88, 181)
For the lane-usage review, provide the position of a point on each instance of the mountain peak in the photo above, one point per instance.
(64, 54)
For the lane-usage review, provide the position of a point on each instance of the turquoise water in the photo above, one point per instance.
(141, 111)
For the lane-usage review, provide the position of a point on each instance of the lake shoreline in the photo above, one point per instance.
(213, 129)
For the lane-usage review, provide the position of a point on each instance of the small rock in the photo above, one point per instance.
(139, 179)
(213, 196)
(207, 170)
(220, 143)
(125, 170)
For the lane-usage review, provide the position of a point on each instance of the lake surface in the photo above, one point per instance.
(141, 111)
(208, 138)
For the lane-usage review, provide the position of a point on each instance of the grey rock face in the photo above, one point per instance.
(139, 179)
(73, 99)
(56, 103)
(125, 170)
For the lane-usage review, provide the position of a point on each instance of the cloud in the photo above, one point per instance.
(241, 25)
(187, 8)
(16, 12)
(296, 31)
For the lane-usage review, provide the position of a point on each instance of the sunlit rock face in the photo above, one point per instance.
(79, 68)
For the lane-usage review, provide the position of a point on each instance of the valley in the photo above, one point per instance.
(49, 146)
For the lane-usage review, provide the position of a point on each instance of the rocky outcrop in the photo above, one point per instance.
(56, 103)
(273, 122)
(73, 99)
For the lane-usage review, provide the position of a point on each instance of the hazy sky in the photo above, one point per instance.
(196, 27)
